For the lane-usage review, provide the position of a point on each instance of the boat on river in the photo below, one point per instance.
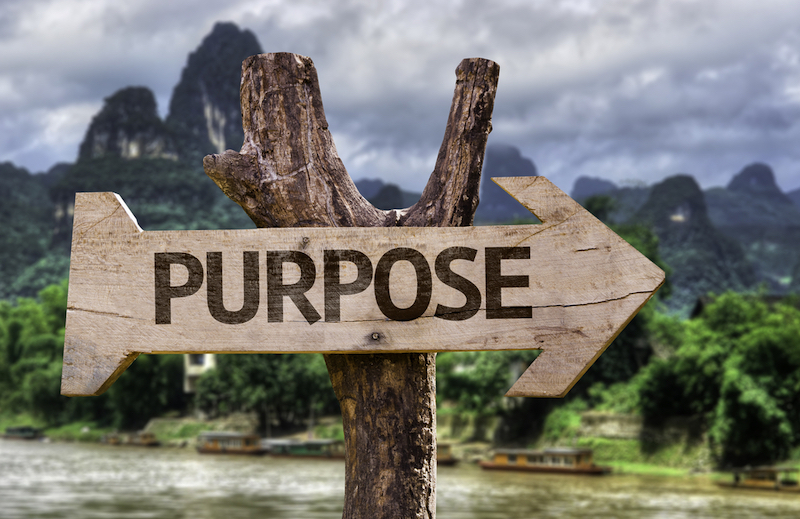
(555, 460)
(333, 449)
(225, 442)
(444, 455)
(764, 478)
(22, 432)
(139, 439)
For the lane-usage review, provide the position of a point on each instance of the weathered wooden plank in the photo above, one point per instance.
(288, 290)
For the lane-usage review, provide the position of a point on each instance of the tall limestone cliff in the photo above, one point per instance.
(759, 179)
(754, 211)
(702, 259)
(497, 206)
(204, 112)
(128, 127)
(130, 150)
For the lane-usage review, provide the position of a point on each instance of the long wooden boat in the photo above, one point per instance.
(556, 461)
(444, 455)
(140, 439)
(143, 439)
(333, 449)
(22, 432)
(764, 478)
(223, 442)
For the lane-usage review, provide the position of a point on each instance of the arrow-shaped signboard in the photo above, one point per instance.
(566, 286)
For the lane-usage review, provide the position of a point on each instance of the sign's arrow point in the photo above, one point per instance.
(621, 278)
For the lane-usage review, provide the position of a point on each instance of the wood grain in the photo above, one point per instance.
(583, 285)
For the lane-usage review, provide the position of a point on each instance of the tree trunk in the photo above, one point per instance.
(288, 174)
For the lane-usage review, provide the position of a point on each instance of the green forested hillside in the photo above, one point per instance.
(701, 258)
(26, 211)
(37, 218)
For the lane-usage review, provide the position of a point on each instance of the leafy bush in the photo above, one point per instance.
(738, 366)
(31, 351)
(284, 388)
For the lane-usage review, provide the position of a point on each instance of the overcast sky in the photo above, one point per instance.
(632, 91)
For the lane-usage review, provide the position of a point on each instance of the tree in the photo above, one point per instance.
(152, 386)
(31, 340)
(288, 174)
(282, 388)
(738, 367)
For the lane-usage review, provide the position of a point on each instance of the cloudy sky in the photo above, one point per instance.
(628, 90)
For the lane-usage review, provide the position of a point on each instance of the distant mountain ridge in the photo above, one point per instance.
(722, 238)
(386, 195)
(794, 196)
(204, 112)
(754, 211)
(752, 234)
(155, 165)
(701, 257)
(497, 206)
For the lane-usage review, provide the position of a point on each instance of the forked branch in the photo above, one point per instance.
(288, 174)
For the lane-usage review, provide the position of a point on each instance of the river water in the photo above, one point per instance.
(59, 480)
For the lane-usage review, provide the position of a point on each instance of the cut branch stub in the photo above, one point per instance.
(450, 197)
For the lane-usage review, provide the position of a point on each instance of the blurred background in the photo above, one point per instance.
(675, 123)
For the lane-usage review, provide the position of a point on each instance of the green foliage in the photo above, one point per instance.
(48, 270)
(564, 421)
(626, 355)
(601, 206)
(163, 194)
(794, 286)
(26, 212)
(622, 397)
(79, 430)
(477, 380)
(152, 385)
(31, 349)
(628, 456)
(334, 431)
(36, 211)
(31, 344)
(283, 388)
(738, 365)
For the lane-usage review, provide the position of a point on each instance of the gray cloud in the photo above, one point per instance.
(624, 89)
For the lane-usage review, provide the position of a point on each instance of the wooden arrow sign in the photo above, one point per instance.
(566, 286)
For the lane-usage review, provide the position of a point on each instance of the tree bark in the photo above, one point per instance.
(288, 174)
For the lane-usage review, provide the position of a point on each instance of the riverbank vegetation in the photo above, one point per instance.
(732, 371)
